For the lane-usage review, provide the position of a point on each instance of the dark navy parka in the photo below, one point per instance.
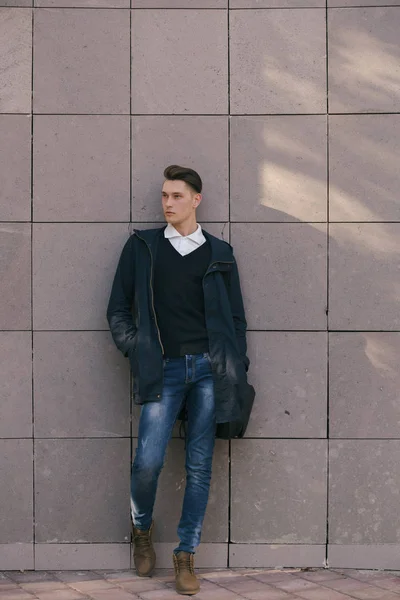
(133, 322)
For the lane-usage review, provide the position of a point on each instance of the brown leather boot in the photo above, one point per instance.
(185, 579)
(143, 555)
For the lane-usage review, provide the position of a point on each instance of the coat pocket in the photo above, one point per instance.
(236, 429)
(132, 355)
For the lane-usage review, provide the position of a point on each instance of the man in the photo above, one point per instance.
(176, 311)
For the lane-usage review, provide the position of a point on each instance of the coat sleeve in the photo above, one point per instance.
(237, 308)
(119, 311)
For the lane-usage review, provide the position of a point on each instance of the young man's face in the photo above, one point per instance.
(179, 201)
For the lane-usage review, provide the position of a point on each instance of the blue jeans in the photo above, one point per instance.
(186, 379)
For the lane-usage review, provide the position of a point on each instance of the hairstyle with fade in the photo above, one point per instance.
(189, 176)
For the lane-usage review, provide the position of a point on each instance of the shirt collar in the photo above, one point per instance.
(196, 236)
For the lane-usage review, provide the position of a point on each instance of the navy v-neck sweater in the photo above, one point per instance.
(179, 298)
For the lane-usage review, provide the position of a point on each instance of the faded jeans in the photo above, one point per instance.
(189, 379)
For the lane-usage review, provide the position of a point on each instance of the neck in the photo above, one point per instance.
(187, 227)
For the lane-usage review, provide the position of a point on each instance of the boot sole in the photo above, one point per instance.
(149, 574)
(182, 593)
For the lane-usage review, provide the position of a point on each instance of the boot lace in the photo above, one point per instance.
(185, 563)
(142, 541)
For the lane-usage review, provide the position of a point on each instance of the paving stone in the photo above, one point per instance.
(321, 594)
(245, 586)
(37, 587)
(347, 586)
(271, 576)
(322, 576)
(388, 583)
(15, 595)
(296, 584)
(113, 594)
(165, 594)
(60, 595)
(7, 585)
(30, 576)
(373, 593)
(224, 584)
(211, 595)
(141, 585)
(119, 576)
(76, 576)
(269, 594)
(93, 585)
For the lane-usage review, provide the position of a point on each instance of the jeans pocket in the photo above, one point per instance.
(206, 355)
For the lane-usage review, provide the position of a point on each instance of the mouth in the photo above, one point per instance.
(169, 213)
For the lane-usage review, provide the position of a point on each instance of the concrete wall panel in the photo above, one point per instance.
(16, 498)
(15, 60)
(16, 384)
(15, 276)
(197, 83)
(16, 3)
(81, 385)
(278, 491)
(364, 385)
(364, 3)
(82, 491)
(278, 168)
(179, 4)
(15, 168)
(81, 168)
(364, 185)
(364, 477)
(84, 3)
(283, 269)
(81, 61)
(363, 59)
(277, 61)
(363, 276)
(276, 3)
(289, 373)
(74, 265)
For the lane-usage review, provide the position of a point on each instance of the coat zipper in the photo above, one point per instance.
(225, 262)
(152, 293)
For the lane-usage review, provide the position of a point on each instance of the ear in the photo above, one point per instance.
(196, 200)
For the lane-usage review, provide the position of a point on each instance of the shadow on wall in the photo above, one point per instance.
(279, 175)
(364, 54)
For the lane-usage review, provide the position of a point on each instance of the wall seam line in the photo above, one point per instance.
(327, 281)
(229, 233)
(32, 326)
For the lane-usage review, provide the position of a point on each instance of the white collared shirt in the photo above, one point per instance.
(184, 244)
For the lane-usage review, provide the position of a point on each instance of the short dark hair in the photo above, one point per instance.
(185, 174)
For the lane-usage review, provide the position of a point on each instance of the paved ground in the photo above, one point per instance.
(227, 584)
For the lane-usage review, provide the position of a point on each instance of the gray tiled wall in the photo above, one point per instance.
(290, 112)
